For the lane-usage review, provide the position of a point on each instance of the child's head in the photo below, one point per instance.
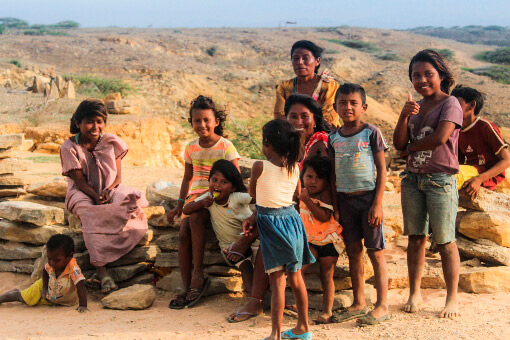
(429, 73)
(316, 173)
(224, 179)
(205, 118)
(305, 57)
(350, 102)
(89, 118)
(470, 100)
(279, 138)
(60, 250)
(305, 114)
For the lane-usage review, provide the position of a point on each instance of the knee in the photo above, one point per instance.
(198, 219)
(354, 251)
(417, 240)
(375, 254)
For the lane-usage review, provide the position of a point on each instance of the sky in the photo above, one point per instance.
(396, 14)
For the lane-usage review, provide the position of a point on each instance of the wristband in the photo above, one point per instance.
(180, 200)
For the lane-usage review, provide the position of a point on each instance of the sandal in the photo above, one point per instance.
(243, 257)
(93, 281)
(346, 315)
(232, 317)
(108, 285)
(179, 302)
(289, 334)
(323, 321)
(193, 295)
(370, 320)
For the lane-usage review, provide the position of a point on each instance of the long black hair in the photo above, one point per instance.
(90, 107)
(310, 104)
(206, 103)
(230, 172)
(435, 59)
(310, 46)
(284, 140)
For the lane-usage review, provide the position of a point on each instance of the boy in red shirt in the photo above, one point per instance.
(482, 149)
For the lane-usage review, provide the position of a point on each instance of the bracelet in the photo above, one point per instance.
(180, 200)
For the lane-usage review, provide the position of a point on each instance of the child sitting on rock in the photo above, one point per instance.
(62, 282)
(229, 205)
(483, 151)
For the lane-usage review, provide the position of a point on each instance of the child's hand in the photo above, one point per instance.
(375, 216)
(177, 211)
(82, 309)
(304, 196)
(207, 201)
(105, 196)
(410, 107)
(472, 186)
(249, 225)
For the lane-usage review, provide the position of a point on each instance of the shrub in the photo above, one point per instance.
(13, 23)
(212, 51)
(389, 56)
(500, 74)
(67, 24)
(446, 53)
(362, 46)
(16, 63)
(104, 86)
(44, 31)
(498, 56)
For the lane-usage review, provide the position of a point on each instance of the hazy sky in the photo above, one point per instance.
(261, 13)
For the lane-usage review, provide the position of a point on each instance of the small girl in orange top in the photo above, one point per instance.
(322, 230)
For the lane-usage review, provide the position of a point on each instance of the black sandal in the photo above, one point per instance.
(179, 302)
(193, 295)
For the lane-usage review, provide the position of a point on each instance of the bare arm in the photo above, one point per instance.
(185, 185)
(82, 296)
(375, 214)
(321, 214)
(472, 186)
(249, 225)
(78, 178)
(401, 134)
(297, 193)
(45, 280)
(194, 206)
(434, 140)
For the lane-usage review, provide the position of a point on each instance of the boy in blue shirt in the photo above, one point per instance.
(356, 150)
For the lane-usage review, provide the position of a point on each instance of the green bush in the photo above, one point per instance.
(16, 63)
(389, 56)
(446, 53)
(362, 46)
(92, 84)
(44, 31)
(212, 51)
(500, 74)
(67, 24)
(13, 23)
(498, 56)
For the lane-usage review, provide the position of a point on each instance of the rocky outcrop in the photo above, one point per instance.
(493, 225)
(485, 280)
(136, 297)
(484, 250)
(38, 214)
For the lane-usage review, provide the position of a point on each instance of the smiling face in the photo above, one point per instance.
(91, 127)
(220, 188)
(350, 107)
(304, 63)
(58, 260)
(425, 78)
(204, 122)
(312, 182)
(301, 119)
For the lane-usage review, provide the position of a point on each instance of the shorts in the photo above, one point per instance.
(32, 295)
(353, 211)
(429, 205)
(325, 251)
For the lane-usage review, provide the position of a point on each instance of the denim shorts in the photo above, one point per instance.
(429, 205)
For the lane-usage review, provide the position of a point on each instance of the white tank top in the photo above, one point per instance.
(275, 186)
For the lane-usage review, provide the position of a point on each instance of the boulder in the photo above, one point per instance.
(154, 211)
(485, 201)
(8, 153)
(389, 187)
(113, 96)
(38, 84)
(12, 166)
(48, 147)
(149, 234)
(485, 280)
(224, 285)
(12, 191)
(489, 252)
(162, 222)
(141, 279)
(60, 82)
(122, 107)
(18, 251)
(54, 188)
(74, 224)
(313, 283)
(170, 241)
(53, 92)
(222, 271)
(69, 91)
(137, 255)
(12, 181)
(123, 273)
(171, 282)
(17, 266)
(135, 297)
(398, 276)
(162, 192)
(38, 214)
(26, 233)
(11, 141)
(171, 260)
(494, 226)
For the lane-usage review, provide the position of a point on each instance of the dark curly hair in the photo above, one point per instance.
(90, 107)
(437, 61)
(206, 103)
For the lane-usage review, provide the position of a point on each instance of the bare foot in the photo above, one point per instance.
(450, 310)
(251, 308)
(413, 304)
(379, 311)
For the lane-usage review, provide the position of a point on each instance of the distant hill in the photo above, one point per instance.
(486, 35)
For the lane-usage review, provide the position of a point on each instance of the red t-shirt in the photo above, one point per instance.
(480, 143)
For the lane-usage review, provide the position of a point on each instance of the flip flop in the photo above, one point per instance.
(193, 295)
(243, 257)
(232, 317)
(347, 315)
(93, 282)
(179, 302)
(370, 320)
(288, 334)
(322, 321)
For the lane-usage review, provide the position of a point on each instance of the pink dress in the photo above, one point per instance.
(109, 230)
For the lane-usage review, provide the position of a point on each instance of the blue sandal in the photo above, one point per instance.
(289, 334)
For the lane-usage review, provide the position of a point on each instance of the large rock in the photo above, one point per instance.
(38, 84)
(224, 285)
(153, 211)
(12, 181)
(222, 271)
(171, 282)
(170, 241)
(313, 283)
(122, 107)
(113, 96)
(53, 92)
(137, 255)
(484, 250)
(12, 191)
(12, 166)
(123, 273)
(398, 276)
(162, 192)
(485, 280)
(171, 260)
(20, 232)
(74, 224)
(17, 266)
(494, 226)
(8, 153)
(162, 222)
(11, 141)
(69, 91)
(38, 214)
(140, 279)
(134, 297)
(54, 188)
(485, 201)
(60, 82)
(18, 251)
(147, 238)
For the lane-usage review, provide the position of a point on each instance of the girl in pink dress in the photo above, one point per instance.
(111, 214)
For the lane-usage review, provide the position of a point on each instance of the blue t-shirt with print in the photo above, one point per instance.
(354, 158)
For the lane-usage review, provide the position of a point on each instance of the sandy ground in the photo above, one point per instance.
(483, 316)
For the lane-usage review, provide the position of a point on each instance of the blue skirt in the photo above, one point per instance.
(283, 240)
